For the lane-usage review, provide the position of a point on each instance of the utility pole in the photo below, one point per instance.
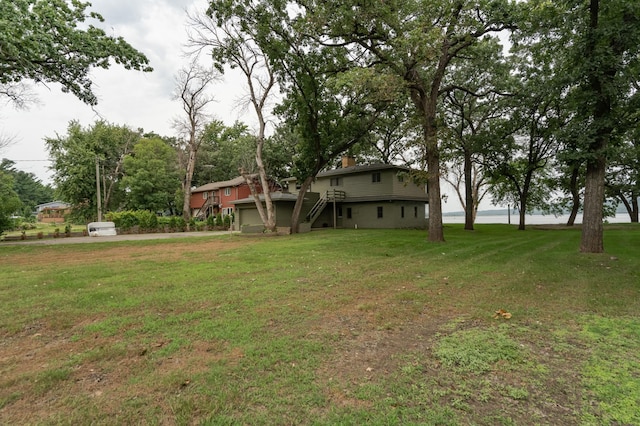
(99, 197)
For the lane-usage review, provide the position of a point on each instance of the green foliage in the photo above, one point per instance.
(50, 41)
(223, 151)
(128, 219)
(9, 201)
(28, 188)
(152, 177)
(74, 165)
(211, 221)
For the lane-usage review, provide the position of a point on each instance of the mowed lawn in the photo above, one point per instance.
(343, 327)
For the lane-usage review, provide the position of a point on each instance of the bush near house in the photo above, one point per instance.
(146, 221)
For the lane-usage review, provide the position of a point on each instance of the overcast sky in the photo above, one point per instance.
(140, 100)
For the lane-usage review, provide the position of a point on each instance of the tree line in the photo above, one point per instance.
(534, 102)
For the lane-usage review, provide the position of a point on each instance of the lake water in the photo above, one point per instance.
(533, 219)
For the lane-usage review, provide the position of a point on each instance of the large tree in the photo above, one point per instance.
(478, 84)
(9, 201)
(623, 175)
(74, 158)
(234, 45)
(596, 47)
(192, 90)
(51, 41)
(415, 41)
(326, 104)
(27, 186)
(152, 177)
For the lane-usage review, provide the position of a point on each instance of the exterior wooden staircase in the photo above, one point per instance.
(332, 195)
(207, 208)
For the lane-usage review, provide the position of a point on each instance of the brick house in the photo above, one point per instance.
(218, 197)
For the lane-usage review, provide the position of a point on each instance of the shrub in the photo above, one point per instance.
(211, 221)
(147, 220)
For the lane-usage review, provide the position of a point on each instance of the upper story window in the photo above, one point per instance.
(227, 191)
(375, 177)
(205, 195)
(336, 181)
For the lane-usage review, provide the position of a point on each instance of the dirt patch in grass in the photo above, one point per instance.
(114, 254)
(399, 365)
(45, 371)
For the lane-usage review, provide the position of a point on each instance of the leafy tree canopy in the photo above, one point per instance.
(9, 201)
(152, 177)
(28, 188)
(74, 164)
(49, 41)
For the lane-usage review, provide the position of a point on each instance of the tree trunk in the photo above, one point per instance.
(524, 196)
(469, 205)
(630, 206)
(522, 213)
(436, 233)
(297, 208)
(592, 229)
(191, 164)
(270, 219)
(575, 194)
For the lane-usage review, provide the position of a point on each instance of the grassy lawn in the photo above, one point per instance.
(45, 228)
(335, 327)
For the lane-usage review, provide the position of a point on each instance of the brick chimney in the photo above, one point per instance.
(348, 161)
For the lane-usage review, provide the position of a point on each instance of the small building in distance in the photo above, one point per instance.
(53, 212)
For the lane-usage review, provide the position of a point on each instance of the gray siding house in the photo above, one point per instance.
(354, 196)
(369, 196)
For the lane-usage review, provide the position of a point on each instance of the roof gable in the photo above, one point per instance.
(366, 168)
(217, 185)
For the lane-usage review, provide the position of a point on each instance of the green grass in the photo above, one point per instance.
(45, 228)
(333, 327)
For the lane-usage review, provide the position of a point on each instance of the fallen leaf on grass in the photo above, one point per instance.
(501, 313)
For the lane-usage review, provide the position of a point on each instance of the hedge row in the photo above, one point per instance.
(147, 221)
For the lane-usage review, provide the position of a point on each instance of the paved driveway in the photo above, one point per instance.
(124, 237)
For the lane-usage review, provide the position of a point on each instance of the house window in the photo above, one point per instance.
(402, 211)
(227, 211)
(348, 212)
(205, 195)
(339, 211)
(336, 182)
(415, 211)
(400, 178)
(379, 212)
(375, 177)
(227, 191)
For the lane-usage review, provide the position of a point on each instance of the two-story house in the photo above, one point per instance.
(354, 196)
(368, 196)
(217, 197)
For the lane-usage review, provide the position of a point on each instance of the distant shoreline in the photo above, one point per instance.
(533, 219)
